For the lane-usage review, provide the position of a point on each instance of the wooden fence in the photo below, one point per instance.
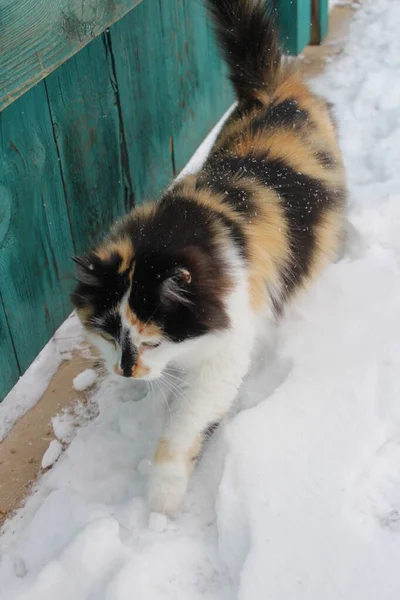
(83, 140)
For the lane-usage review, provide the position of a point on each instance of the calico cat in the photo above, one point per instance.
(183, 281)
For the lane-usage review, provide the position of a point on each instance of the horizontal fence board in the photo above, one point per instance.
(37, 36)
(35, 249)
(9, 371)
(83, 103)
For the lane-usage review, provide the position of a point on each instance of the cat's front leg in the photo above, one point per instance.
(212, 391)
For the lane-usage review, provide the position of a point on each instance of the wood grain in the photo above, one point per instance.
(294, 17)
(9, 370)
(199, 90)
(172, 87)
(36, 248)
(109, 127)
(140, 56)
(84, 105)
(319, 20)
(37, 36)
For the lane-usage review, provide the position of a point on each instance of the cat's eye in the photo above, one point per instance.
(151, 344)
(106, 336)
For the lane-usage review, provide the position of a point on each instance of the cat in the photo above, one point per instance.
(184, 281)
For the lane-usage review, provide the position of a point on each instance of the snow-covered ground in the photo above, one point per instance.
(30, 388)
(298, 495)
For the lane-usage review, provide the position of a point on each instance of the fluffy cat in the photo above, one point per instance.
(184, 280)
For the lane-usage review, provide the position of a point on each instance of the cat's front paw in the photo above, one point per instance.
(167, 487)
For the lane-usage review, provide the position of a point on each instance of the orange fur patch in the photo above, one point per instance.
(296, 151)
(123, 248)
(131, 317)
(140, 369)
(84, 314)
(329, 236)
(164, 453)
(268, 242)
(146, 329)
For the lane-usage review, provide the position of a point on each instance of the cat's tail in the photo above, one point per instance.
(247, 33)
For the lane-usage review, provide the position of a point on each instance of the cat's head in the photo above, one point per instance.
(145, 297)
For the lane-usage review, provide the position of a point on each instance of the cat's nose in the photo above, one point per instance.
(118, 370)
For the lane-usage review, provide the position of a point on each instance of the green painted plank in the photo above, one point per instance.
(294, 17)
(36, 248)
(9, 371)
(320, 19)
(140, 56)
(36, 36)
(83, 102)
(199, 90)
(172, 86)
(323, 19)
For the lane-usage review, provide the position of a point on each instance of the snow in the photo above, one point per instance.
(35, 381)
(298, 493)
(84, 380)
(157, 522)
(63, 427)
(52, 454)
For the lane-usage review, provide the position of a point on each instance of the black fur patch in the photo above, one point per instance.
(303, 199)
(207, 215)
(211, 429)
(285, 114)
(331, 110)
(236, 197)
(180, 233)
(326, 159)
(249, 39)
(129, 355)
(101, 288)
(111, 324)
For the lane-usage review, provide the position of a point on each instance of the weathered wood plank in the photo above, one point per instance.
(294, 18)
(172, 87)
(36, 36)
(83, 101)
(122, 116)
(9, 371)
(319, 20)
(199, 90)
(140, 56)
(37, 245)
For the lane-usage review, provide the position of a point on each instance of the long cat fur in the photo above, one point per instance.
(183, 281)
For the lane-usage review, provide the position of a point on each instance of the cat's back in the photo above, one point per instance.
(278, 166)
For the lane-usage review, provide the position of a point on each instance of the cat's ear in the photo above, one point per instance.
(176, 288)
(95, 271)
(86, 271)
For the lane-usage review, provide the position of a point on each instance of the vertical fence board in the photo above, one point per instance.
(84, 107)
(9, 371)
(294, 18)
(111, 125)
(199, 91)
(35, 256)
(319, 20)
(139, 55)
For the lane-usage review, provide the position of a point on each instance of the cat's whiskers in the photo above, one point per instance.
(165, 397)
(178, 379)
(176, 392)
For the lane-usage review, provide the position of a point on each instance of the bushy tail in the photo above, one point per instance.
(249, 39)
